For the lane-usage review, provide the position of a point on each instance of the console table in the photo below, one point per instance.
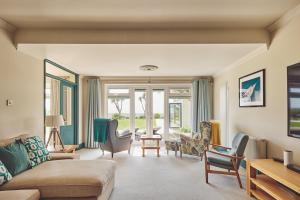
(275, 181)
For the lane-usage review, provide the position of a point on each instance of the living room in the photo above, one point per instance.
(163, 76)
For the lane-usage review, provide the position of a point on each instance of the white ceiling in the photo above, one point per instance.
(143, 13)
(125, 60)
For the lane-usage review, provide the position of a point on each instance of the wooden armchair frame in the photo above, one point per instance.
(234, 159)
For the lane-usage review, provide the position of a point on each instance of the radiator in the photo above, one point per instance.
(256, 149)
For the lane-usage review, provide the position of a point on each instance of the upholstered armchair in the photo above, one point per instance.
(116, 142)
(197, 143)
(229, 162)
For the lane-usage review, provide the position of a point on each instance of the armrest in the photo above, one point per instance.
(225, 155)
(214, 145)
(63, 156)
(124, 134)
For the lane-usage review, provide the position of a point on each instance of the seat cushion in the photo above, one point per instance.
(219, 161)
(20, 195)
(65, 178)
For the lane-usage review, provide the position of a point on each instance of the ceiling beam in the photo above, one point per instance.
(6, 26)
(161, 36)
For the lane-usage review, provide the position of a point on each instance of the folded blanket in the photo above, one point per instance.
(101, 130)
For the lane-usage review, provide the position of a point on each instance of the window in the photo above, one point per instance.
(156, 109)
(119, 107)
(180, 110)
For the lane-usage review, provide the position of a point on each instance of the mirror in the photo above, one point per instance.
(293, 83)
(67, 105)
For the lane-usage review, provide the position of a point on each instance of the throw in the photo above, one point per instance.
(100, 130)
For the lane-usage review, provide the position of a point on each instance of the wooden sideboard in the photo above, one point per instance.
(275, 181)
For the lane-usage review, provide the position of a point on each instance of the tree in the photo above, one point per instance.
(118, 102)
(142, 100)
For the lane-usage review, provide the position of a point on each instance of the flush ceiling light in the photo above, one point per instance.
(148, 67)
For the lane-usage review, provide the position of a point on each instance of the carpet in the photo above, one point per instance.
(167, 178)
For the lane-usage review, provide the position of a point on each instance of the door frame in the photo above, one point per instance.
(76, 95)
(149, 98)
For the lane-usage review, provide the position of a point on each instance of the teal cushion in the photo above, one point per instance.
(4, 174)
(36, 150)
(15, 158)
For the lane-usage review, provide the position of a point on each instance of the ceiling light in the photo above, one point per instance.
(148, 67)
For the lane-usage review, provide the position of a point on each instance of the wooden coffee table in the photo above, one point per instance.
(156, 138)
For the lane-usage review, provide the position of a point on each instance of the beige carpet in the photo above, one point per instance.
(166, 178)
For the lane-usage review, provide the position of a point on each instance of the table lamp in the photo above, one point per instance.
(54, 121)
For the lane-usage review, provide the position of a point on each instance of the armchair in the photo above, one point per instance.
(196, 144)
(116, 142)
(229, 161)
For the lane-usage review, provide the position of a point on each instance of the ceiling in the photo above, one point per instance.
(125, 59)
(104, 14)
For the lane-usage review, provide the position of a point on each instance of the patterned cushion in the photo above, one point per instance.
(4, 174)
(36, 150)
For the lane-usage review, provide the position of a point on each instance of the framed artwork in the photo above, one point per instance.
(252, 89)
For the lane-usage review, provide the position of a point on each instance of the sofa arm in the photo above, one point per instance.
(63, 156)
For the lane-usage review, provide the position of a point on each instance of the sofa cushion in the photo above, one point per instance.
(36, 150)
(4, 174)
(20, 195)
(65, 178)
(15, 158)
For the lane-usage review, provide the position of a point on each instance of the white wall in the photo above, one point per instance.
(21, 79)
(268, 122)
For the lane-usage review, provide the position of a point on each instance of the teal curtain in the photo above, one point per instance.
(93, 110)
(201, 102)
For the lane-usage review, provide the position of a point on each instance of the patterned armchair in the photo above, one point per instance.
(196, 144)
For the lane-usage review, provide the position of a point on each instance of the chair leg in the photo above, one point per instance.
(112, 155)
(206, 172)
(129, 150)
(102, 152)
(237, 173)
(239, 179)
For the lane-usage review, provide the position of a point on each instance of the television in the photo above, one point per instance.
(293, 99)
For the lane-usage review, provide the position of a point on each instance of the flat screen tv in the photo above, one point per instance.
(293, 95)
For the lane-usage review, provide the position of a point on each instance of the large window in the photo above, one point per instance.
(180, 110)
(150, 109)
(119, 107)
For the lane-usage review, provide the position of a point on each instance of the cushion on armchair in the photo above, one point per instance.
(125, 133)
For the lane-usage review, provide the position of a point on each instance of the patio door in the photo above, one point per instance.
(150, 109)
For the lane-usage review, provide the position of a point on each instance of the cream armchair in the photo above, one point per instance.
(197, 143)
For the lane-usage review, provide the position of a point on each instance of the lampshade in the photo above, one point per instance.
(54, 121)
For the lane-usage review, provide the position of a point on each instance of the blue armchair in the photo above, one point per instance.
(229, 161)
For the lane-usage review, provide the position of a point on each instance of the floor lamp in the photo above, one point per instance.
(55, 122)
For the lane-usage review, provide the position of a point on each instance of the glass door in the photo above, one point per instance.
(67, 105)
(158, 111)
(150, 109)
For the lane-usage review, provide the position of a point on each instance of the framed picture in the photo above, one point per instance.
(252, 89)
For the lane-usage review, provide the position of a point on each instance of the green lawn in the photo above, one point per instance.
(124, 124)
